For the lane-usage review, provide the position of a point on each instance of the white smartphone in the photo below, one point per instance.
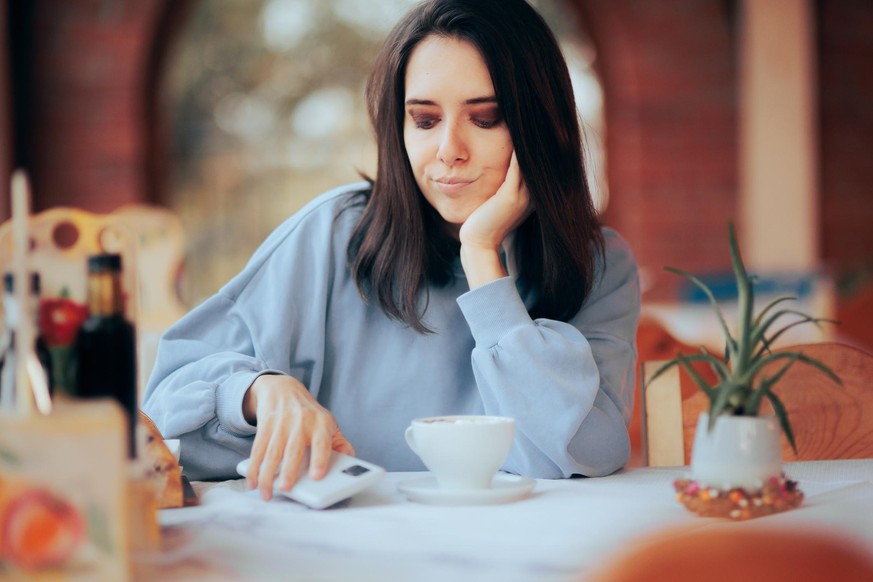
(345, 477)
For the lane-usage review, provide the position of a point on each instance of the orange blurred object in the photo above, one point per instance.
(38, 529)
(734, 554)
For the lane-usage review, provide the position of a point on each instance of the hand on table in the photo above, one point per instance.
(289, 421)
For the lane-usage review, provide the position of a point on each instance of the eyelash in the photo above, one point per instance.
(428, 123)
(487, 124)
(424, 123)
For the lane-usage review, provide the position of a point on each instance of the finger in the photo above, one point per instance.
(320, 449)
(342, 445)
(259, 449)
(522, 194)
(294, 448)
(291, 461)
(513, 189)
(270, 464)
(524, 199)
(254, 462)
(513, 174)
(267, 475)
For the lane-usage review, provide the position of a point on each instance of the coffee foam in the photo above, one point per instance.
(461, 420)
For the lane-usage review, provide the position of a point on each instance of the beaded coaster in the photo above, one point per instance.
(776, 495)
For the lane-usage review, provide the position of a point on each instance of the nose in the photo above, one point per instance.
(453, 147)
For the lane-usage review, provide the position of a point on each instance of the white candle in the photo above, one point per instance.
(24, 332)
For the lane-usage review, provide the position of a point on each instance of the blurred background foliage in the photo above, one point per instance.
(265, 102)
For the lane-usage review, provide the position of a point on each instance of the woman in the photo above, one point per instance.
(469, 277)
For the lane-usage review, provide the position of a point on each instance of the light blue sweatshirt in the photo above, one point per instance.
(295, 309)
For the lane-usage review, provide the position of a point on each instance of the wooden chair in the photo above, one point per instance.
(60, 241)
(151, 242)
(158, 242)
(654, 343)
(829, 421)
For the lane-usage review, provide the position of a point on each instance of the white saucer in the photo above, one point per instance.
(504, 488)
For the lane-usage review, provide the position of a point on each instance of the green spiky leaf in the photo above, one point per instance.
(742, 383)
(799, 357)
(701, 383)
(764, 387)
(726, 392)
(731, 344)
(763, 313)
(782, 415)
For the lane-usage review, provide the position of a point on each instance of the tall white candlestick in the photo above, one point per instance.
(24, 329)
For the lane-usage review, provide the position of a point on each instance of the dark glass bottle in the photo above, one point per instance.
(106, 343)
(8, 360)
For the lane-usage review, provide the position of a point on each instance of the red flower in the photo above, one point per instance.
(60, 319)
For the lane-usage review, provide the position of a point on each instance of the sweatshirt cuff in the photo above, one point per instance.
(493, 310)
(229, 402)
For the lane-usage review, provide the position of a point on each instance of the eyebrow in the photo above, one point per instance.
(473, 101)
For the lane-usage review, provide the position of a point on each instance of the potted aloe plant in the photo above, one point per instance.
(734, 446)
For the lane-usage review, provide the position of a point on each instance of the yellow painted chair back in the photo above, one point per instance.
(151, 242)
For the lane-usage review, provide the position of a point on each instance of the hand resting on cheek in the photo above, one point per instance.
(484, 231)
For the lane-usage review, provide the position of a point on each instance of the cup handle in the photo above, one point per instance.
(410, 440)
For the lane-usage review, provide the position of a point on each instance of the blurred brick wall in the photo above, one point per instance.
(85, 99)
(669, 75)
(846, 125)
(669, 71)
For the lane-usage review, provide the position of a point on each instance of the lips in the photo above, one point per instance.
(451, 186)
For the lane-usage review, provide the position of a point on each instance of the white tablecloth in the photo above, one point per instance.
(558, 533)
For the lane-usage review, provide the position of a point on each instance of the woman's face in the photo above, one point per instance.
(457, 142)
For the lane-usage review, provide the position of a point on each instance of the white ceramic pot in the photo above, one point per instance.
(739, 451)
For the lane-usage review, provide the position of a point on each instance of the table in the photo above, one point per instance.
(557, 534)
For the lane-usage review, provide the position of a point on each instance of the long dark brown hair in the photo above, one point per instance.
(399, 247)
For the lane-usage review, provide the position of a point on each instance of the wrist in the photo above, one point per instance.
(481, 264)
(250, 400)
(250, 405)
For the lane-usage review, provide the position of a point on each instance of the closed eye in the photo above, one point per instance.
(485, 115)
(487, 123)
(423, 121)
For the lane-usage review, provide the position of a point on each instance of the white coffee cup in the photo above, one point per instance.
(463, 452)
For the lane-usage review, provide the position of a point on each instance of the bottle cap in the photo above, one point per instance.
(9, 283)
(104, 263)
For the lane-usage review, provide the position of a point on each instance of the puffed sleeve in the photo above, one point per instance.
(205, 364)
(252, 326)
(568, 385)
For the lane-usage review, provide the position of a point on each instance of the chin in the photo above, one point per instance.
(458, 211)
(454, 218)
